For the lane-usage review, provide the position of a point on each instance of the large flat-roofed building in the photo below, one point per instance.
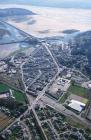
(76, 105)
(7, 95)
(3, 96)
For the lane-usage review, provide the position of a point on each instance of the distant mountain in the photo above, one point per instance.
(70, 31)
(14, 12)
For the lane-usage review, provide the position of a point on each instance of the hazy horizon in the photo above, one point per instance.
(53, 3)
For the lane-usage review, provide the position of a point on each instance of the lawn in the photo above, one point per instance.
(19, 96)
(3, 87)
(78, 90)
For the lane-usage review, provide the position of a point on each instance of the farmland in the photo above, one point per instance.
(4, 120)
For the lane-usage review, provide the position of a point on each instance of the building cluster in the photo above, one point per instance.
(38, 71)
(33, 69)
(7, 67)
(18, 131)
(61, 52)
(56, 126)
(3, 66)
(25, 129)
(44, 122)
(60, 85)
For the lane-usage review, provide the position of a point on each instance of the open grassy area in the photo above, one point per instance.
(77, 90)
(19, 96)
(3, 87)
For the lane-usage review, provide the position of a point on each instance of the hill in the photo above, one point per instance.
(14, 12)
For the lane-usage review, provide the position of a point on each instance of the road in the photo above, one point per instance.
(28, 131)
(81, 74)
(21, 67)
(39, 123)
(54, 130)
(47, 48)
(60, 108)
(30, 106)
(40, 93)
(37, 77)
(16, 120)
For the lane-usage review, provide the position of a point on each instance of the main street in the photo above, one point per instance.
(59, 107)
(30, 106)
(47, 48)
(39, 123)
(40, 95)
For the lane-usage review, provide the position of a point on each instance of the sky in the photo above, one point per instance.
(64, 3)
(54, 3)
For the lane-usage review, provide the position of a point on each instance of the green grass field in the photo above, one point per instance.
(80, 91)
(3, 87)
(77, 90)
(19, 96)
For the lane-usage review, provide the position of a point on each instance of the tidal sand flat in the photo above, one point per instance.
(52, 20)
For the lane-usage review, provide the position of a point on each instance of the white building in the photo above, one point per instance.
(76, 105)
(89, 85)
(7, 95)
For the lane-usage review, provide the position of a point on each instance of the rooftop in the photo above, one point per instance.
(76, 105)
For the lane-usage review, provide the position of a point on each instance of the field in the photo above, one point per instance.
(3, 87)
(80, 91)
(4, 120)
(19, 96)
(77, 90)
